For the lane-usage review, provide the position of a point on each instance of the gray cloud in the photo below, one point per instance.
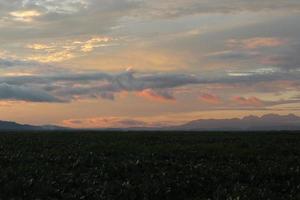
(12, 92)
(126, 80)
(104, 85)
(107, 95)
(78, 17)
(155, 7)
(233, 55)
(88, 85)
(112, 122)
(175, 8)
(287, 58)
(63, 18)
(14, 63)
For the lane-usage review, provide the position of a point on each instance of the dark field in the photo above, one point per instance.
(138, 165)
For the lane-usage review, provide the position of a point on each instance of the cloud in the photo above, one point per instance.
(95, 42)
(104, 122)
(55, 6)
(233, 55)
(101, 85)
(79, 17)
(114, 122)
(147, 85)
(25, 16)
(167, 8)
(62, 18)
(166, 40)
(12, 92)
(210, 99)
(177, 8)
(38, 46)
(256, 42)
(257, 102)
(107, 95)
(287, 58)
(162, 96)
(52, 57)
(67, 49)
(250, 101)
(265, 51)
(10, 63)
(70, 86)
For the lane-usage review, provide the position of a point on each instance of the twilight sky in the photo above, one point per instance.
(121, 63)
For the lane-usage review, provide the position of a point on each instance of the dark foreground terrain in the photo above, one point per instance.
(139, 165)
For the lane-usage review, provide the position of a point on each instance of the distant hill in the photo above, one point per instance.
(13, 126)
(266, 122)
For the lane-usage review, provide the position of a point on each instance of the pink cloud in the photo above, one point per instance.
(161, 96)
(251, 101)
(210, 99)
(113, 122)
(257, 42)
(103, 122)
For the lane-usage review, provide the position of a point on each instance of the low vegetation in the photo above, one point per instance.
(149, 165)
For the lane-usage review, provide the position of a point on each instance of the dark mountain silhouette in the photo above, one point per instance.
(266, 122)
(13, 126)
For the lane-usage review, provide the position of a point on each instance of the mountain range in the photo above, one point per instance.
(13, 126)
(265, 122)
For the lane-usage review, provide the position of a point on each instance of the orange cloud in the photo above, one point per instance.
(89, 45)
(257, 42)
(210, 99)
(251, 101)
(52, 57)
(66, 49)
(5, 103)
(104, 122)
(11, 103)
(156, 96)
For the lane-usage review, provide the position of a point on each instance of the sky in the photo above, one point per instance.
(124, 63)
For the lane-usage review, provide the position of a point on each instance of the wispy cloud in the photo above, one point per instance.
(257, 42)
(177, 8)
(210, 99)
(66, 49)
(105, 122)
(160, 95)
(56, 6)
(251, 101)
(25, 16)
(113, 122)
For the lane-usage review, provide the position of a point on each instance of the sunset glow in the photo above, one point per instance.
(123, 63)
